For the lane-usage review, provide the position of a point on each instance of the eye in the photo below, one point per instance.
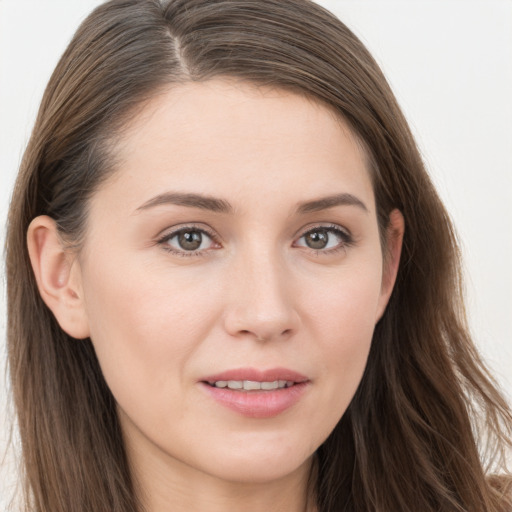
(187, 241)
(325, 239)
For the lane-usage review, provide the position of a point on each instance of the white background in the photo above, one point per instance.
(448, 61)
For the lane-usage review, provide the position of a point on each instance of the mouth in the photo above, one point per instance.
(252, 385)
(256, 393)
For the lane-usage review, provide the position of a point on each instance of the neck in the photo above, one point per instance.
(207, 494)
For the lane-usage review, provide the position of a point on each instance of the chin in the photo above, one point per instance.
(259, 472)
(260, 466)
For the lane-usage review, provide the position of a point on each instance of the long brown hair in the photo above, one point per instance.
(426, 426)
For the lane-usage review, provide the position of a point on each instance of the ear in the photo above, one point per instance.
(58, 276)
(392, 252)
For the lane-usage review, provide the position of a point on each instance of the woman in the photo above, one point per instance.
(231, 283)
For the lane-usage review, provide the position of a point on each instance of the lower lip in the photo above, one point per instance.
(258, 404)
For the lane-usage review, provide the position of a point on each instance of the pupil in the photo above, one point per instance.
(190, 240)
(317, 239)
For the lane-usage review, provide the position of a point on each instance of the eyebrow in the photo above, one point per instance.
(324, 203)
(191, 200)
(205, 202)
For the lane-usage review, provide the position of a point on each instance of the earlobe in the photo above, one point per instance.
(58, 276)
(393, 250)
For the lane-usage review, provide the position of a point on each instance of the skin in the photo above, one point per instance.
(256, 295)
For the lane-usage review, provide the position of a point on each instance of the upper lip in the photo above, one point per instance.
(257, 375)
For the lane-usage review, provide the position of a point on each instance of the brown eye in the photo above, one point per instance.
(187, 241)
(317, 239)
(190, 240)
(325, 239)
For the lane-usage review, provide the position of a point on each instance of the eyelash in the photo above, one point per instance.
(346, 240)
(345, 237)
(169, 236)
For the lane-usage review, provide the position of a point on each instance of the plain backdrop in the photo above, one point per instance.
(450, 65)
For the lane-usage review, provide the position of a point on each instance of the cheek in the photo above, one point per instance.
(342, 320)
(145, 325)
(344, 303)
(142, 300)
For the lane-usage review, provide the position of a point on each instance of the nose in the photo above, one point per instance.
(261, 300)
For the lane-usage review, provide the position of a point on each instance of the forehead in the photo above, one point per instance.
(225, 137)
(229, 103)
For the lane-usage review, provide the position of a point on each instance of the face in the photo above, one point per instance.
(235, 247)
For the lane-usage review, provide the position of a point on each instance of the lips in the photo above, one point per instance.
(253, 374)
(256, 393)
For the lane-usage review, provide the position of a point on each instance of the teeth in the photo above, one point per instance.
(251, 385)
